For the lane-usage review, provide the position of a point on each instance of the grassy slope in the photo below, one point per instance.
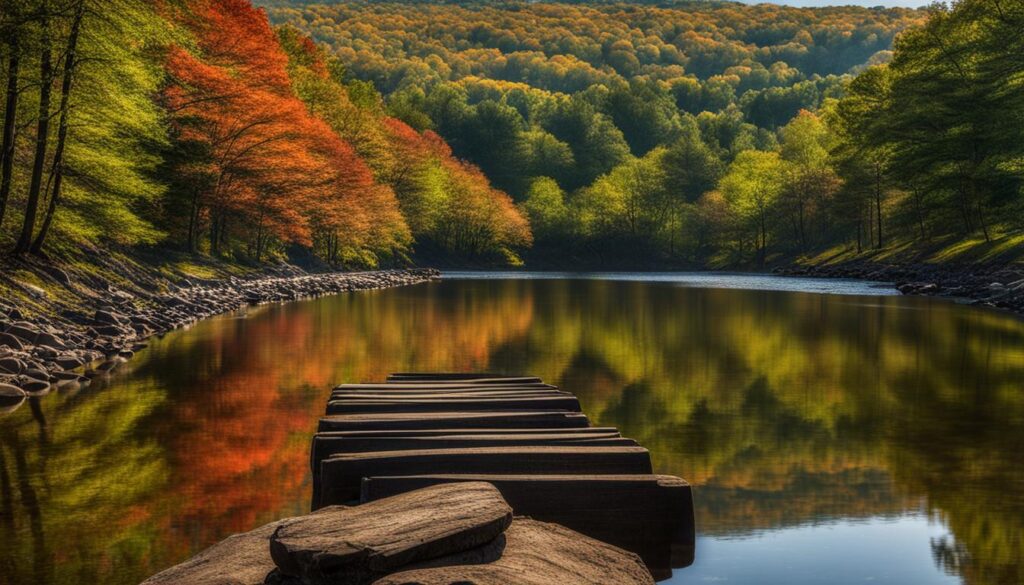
(951, 250)
(38, 286)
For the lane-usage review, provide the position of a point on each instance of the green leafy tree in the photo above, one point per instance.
(752, 186)
(546, 208)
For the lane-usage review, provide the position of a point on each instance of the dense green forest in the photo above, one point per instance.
(684, 133)
(696, 132)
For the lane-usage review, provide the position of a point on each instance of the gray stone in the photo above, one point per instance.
(650, 515)
(50, 340)
(25, 333)
(532, 553)
(11, 365)
(343, 545)
(33, 386)
(11, 341)
(441, 404)
(341, 475)
(10, 395)
(451, 420)
(242, 559)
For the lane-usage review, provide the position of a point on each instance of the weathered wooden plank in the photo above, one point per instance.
(651, 515)
(355, 545)
(453, 404)
(325, 446)
(531, 553)
(447, 420)
(341, 475)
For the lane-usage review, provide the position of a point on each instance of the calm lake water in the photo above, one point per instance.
(841, 436)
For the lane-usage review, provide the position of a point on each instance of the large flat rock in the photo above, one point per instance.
(447, 420)
(242, 559)
(533, 553)
(603, 431)
(414, 395)
(443, 386)
(354, 545)
(344, 406)
(340, 477)
(651, 515)
(326, 446)
(408, 377)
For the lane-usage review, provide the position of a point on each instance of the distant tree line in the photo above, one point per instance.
(709, 133)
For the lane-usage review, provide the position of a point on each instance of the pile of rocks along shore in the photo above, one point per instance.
(1000, 286)
(66, 351)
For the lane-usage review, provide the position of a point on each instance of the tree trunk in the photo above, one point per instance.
(984, 222)
(193, 222)
(764, 238)
(214, 233)
(10, 122)
(878, 204)
(860, 229)
(803, 229)
(62, 130)
(42, 135)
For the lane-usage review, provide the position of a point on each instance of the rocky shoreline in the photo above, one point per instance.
(995, 286)
(69, 349)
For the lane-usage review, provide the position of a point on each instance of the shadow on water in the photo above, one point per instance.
(809, 424)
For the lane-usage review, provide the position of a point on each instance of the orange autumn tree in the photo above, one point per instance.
(258, 167)
(455, 206)
(444, 202)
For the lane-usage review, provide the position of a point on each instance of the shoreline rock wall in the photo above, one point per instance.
(997, 286)
(68, 349)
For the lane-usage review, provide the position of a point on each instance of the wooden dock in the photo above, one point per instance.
(527, 438)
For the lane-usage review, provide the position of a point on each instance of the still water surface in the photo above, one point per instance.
(840, 438)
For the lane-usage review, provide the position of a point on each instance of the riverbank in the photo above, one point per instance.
(998, 286)
(61, 326)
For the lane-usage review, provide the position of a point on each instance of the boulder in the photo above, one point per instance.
(650, 515)
(10, 365)
(33, 386)
(463, 377)
(450, 420)
(242, 559)
(106, 318)
(11, 341)
(69, 362)
(443, 404)
(24, 332)
(325, 445)
(532, 553)
(342, 545)
(340, 476)
(50, 340)
(10, 395)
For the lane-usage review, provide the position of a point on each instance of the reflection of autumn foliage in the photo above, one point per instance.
(790, 408)
(781, 409)
(255, 388)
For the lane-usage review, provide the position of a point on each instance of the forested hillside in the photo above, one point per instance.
(677, 134)
(710, 133)
(195, 125)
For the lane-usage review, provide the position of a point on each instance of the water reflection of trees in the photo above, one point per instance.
(781, 408)
(789, 408)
